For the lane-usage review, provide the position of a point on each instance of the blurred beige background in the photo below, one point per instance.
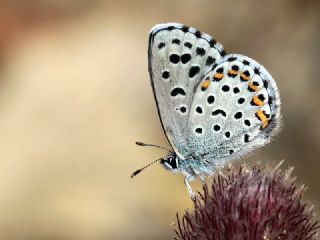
(75, 96)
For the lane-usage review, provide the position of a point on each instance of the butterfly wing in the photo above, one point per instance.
(178, 57)
(236, 107)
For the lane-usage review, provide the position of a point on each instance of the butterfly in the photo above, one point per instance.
(213, 106)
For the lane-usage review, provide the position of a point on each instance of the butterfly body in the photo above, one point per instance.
(213, 106)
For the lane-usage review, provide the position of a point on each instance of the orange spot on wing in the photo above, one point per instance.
(244, 77)
(218, 75)
(256, 101)
(253, 87)
(263, 118)
(232, 72)
(205, 84)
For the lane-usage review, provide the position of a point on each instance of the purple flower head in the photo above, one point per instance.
(249, 204)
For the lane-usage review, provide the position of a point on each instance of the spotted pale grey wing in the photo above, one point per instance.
(179, 57)
(236, 108)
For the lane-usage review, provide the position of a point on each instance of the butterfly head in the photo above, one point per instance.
(170, 162)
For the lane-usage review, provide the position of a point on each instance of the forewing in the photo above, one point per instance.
(236, 108)
(179, 57)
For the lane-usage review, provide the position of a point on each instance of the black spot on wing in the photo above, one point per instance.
(231, 59)
(200, 51)
(238, 115)
(185, 28)
(194, 70)
(188, 44)
(210, 60)
(270, 101)
(170, 28)
(227, 134)
(178, 91)
(161, 45)
(261, 97)
(219, 111)
(197, 34)
(235, 67)
(165, 74)
(241, 100)
(245, 62)
(198, 130)
(225, 88)
(257, 71)
(236, 90)
(210, 99)
(176, 41)
(212, 42)
(183, 109)
(186, 57)
(199, 110)
(216, 127)
(247, 122)
(174, 58)
(220, 70)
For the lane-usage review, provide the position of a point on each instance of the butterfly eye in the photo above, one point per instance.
(170, 159)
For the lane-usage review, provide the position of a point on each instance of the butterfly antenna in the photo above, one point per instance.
(152, 145)
(139, 170)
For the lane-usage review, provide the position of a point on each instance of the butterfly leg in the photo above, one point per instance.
(202, 179)
(191, 193)
(222, 175)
